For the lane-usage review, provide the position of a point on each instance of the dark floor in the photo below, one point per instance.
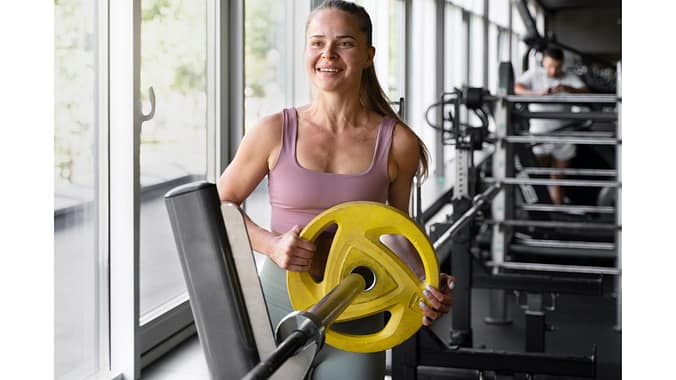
(579, 323)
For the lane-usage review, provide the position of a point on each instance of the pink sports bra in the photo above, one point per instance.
(298, 194)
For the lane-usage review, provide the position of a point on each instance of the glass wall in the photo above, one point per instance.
(476, 51)
(269, 56)
(274, 74)
(518, 47)
(455, 70)
(389, 36)
(423, 73)
(395, 82)
(80, 289)
(173, 142)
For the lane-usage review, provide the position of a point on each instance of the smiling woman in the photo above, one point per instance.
(347, 144)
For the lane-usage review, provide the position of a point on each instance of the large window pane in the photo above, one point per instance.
(173, 142)
(476, 57)
(274, 73)
(493, 58)
(268, 58)
(423, 73)
(79, 282)
(396, 80)
(498, 12)
(456, 48)
(518, 25)
(389, 39)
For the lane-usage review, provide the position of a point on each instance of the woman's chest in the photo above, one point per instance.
(345, 152)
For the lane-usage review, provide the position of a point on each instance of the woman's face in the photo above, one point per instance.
(336, 51)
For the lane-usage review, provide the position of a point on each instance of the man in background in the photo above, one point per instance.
(547, 80)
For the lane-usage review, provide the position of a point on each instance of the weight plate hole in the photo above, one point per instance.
(368, 275)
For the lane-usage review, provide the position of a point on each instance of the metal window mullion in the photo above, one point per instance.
(225, 105)
(510, 30)
(408, 60)
(212, 87)
(124, 102)
(486, 47)
(440, 165)
(468, 32)
(232, 66)
(102, 179)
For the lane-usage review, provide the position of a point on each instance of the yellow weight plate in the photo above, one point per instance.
(356, 243)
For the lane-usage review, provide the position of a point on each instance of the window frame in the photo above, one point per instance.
(133, 345)
(162, 330)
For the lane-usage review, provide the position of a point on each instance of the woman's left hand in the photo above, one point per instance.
(439, 301)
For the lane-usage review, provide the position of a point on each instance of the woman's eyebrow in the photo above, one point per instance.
(337, 37)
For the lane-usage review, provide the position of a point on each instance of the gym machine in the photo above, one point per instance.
(531, 281)
(556, 228)
(425, 352)
(225, 293)
(362, 278)
(231, 316)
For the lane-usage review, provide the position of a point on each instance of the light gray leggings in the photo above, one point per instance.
(331, 363)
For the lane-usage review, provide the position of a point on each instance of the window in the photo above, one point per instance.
(110, 176)
(388, 38)
(498, 12)
(423, 79)
(518, 47)
(274, 76)
(493, 58)
(271, 50)
(476, 51)
(173, 142)
(80, 277)
(455, 49)
(395, 82)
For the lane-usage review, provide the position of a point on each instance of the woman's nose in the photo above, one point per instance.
(328, 52)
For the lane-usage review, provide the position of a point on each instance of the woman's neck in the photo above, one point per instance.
(337, 112)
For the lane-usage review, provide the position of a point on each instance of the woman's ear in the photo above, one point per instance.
(371, 55)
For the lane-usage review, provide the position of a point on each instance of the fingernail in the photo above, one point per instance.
(452, 285)
(422, 305)
(423, 319)
(428, 287)
(426, 292)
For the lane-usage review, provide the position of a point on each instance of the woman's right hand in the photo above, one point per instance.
(291, 252)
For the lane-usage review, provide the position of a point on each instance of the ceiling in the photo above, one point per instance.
(554, 5)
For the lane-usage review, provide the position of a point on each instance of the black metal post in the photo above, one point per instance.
(461, 269)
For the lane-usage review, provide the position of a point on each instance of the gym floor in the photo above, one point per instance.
(579, 322)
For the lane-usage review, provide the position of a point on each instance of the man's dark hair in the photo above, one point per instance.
(554, 53)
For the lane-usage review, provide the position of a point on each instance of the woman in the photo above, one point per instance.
(346, 145)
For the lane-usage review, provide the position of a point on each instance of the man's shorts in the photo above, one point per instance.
(561, 152)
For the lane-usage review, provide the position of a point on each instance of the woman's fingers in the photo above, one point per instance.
(439, 301)
(293, 253)
(446, 283)
(429, 314)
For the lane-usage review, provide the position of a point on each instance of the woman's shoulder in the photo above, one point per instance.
(273, 120)
(403, 136)
(266, 133)
(267, 125)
